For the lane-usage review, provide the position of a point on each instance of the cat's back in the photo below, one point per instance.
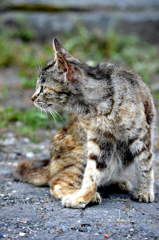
(129, 92)
(122, 102)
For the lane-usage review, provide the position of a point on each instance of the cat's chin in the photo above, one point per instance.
(38, 106)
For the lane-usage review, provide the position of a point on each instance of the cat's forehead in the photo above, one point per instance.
(42, 76)
(50, 63)
(49, 66)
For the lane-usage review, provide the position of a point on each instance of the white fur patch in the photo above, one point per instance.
(93, 148)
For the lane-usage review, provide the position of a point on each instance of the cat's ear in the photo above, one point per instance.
(65, 67)
(62, 58)
(58, 48)
(61, 63)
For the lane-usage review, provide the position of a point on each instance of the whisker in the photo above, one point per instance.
(49, 110)
(37, 71)
(38, 65)
(45, 112)
(58, 114)
(41, 113)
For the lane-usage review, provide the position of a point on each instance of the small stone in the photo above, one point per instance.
(89, 228)
(133, 222)
(12, 155)
(30, 155)
(21, 234)
(9, 183)
(42, 147)
(26, 140)
(131, 230)
(64, 228)
(9, 141)
(152, 234)
(23, 221)
(9, 135)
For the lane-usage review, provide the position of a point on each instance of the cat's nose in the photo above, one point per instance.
(34, 97)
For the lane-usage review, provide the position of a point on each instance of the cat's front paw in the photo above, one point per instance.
(73, 201)
(144, 196)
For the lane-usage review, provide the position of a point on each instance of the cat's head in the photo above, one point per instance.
(59, 81)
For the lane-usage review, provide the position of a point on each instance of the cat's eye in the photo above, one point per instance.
(42, 89)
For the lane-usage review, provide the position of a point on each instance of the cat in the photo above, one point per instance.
(111, 128)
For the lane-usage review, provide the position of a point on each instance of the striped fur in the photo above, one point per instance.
(112, 127)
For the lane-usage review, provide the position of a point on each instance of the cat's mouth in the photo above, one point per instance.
(48, 108)
(41, 105)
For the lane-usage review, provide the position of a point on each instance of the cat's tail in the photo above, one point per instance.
(33, 171)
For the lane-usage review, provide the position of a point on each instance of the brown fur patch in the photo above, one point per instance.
(87, 197)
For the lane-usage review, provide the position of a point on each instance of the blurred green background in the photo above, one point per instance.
(125, 34)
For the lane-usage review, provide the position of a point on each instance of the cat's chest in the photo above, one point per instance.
(102, 126)
(96, 123)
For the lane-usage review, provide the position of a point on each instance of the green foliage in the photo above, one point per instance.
(18, 49)
(28, 57)
(26, 121)
(129, 51)
(26, 82)
(35, 150)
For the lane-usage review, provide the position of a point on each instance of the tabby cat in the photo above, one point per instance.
(112, 127)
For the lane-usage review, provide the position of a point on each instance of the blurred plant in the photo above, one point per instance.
(129, 51)
(19, 49)
(4, 94)
(24, 33)
(16, 52)
(26, 82)
(26, 121)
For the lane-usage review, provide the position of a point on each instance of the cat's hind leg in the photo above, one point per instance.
(143, 157)
(122, 184)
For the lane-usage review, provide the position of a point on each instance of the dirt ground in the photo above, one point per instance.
(30, 212)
